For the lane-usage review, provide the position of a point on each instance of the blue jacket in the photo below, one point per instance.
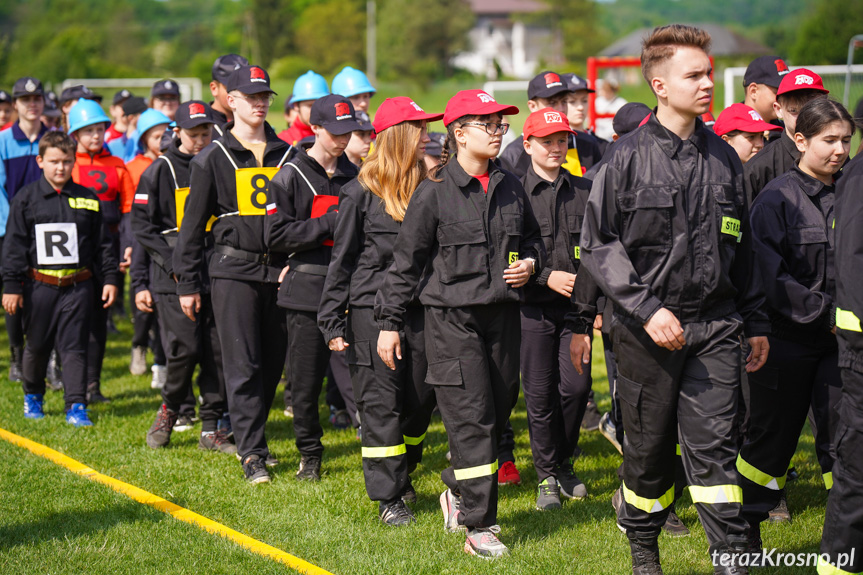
(17, 166)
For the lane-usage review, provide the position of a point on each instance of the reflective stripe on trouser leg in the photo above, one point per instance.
(379, 452)
(716, 494)
(758, 477)
(828, 480)
(647, 504)
(825, 568)
(474, 472)
(414, 440)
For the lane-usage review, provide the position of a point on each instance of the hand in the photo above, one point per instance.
(579, 351)
(758, 356)
(144, 301)
(12, 302)
(517, 274)
(109, 294)
(127, 260)
(665, 330)
(190, 304)
(561, 282)
(389, 348)
(597, 322)
(283, 273)
(338, 344)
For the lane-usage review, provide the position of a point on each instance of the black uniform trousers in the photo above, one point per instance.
(14, 323)
(843, 521)
(252, 336)
(340, 391)
(473, 355)
(691, 394)
(57, 318)
(554, 393)
(143, 324)
(98, 336)
(611, 371)
(395, 405)
(779, 397)
(188, 344)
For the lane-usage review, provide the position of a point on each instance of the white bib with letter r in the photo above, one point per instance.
(56, 243)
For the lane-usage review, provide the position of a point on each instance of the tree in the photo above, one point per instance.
(823, 37)
(331, 34)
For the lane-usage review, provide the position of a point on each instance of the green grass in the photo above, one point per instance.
(52, 521)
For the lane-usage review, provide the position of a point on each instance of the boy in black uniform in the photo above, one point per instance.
(223, 67)
(157, 214)
(229, 181)
(301, 219)
(760, 84)
(55, 240)
(660, 239)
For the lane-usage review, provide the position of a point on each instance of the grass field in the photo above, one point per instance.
(52, 521)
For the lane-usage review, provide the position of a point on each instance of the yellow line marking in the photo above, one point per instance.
(164, 505)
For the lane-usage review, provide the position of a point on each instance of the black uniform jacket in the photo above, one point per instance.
(39, 203)
(662, 227)
(362, 253)
(305, 233)
(559, 209)
(214, 193)
(772, 161)
(849, 275)
(792, 239)
(469, 237)
(516, 160)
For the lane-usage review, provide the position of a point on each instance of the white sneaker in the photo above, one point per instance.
(482, 542)
(160, 374)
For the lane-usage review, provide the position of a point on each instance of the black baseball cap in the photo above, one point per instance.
(767, 70)
(165, 88)
(121, 96)
(629, 117)
(5, 97)
(335, 114)
(249, 80)
(546, 85)
(27, 86)
(575, 83)
(225, 65)
(51, 110)
(134, 105)
(76, 93)
(435, 147)
(193, 113)
(364, 121)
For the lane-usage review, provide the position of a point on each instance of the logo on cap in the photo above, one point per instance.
(196, 111)
(553, 118)
(86, 90)
(30, 86)
(416, 107)
(168, 85)
(485, 98)
(781, 67)
(343, 110)
(552, 79)
(257, 75)
(125, 94)
(804, 79)
(755, 116)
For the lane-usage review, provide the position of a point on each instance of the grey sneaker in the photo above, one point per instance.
(483, 543)
(396, 513)
(138, 364)
(184, 423)
(255, 470)
(449, 504)
(548, 496)
(310, 469)
(216, 441)
(571, 486)
(160, 376)
(159, 434)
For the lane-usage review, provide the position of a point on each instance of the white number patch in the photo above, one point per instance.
(56, 244)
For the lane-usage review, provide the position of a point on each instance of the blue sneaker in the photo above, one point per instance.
(33, 406)
(77, 415)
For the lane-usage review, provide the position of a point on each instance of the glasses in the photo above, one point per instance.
(491, 128)
(262, 98)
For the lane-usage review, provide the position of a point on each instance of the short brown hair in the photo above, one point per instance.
(663, 41)
(799, 98)
(59, 140)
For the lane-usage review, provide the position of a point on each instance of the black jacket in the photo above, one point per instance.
(559, 209)
(466, 237)
(792, 239)
(514, 159)
(39, 203)
(662, 227)
(772, 161)
(214, 193)
(849, 273)
(301, 225)
(362, 253)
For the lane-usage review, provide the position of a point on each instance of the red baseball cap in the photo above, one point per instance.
(801, 79)
(474, 103)
(741, 117)
(394, 111)
(544, 122)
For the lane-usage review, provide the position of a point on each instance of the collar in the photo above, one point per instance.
(86, 155)
(810, 186)
(48, 190)
(670, 142)
(461, 178)
(789, 145)
(534, 184)
(273, 140)
(174, 151)
(19, 134)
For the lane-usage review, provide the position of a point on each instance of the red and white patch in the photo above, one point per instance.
(755, 116)
(197, 110)
(257, 75)
(553, 118)
(271, 209)
(551, 80)
(804, 79)
(142, 198)
(416, 107)
(485, 98)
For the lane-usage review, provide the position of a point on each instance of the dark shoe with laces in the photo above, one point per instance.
(396, 513)
(255, 470)
(548, 495)
(94, 393)
(310, 469)
(184, 423)
(590, 421)
(159, 434)
(571, 486)
(409, 494)
(645, 555)
(730, 558)
(216, 441)
(16, 372)
(674, 527)
(780, 513)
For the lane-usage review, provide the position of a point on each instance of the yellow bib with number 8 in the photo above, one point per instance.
(252, 185)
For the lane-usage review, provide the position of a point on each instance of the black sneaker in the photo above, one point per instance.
(159, 434)
(396, 513)
(590, 421)
(54, 375)
(548, 496)
(409, 494)
(184, 423)
(731, 559)
(16, 372)
(571, 486)
(94, 393)
(780, 513)
(310, 469)
(255, 470)
(216, 441)
(674, 526)
(271, 460)
(645, 556)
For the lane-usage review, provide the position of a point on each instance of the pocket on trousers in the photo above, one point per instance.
(629, 393)
(445, 372)
(359, 353)
(767, 378)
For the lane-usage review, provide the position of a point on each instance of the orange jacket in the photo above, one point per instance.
(136, 167)
(108, 177)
